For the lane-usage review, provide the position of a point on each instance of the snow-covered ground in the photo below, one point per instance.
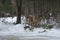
(8, 28)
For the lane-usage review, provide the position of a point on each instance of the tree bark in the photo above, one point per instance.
(19, 4)
(13, 7)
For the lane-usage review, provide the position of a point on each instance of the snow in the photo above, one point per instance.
(9, 28)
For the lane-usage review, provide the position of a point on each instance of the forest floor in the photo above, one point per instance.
(10, 31)
(41, 37)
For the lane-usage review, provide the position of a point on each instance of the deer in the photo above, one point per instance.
(33, 21)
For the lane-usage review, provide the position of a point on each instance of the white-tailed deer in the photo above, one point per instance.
(33, 21)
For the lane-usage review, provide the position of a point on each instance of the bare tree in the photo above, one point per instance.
(13, 7)
(19, 4)
(17, 9)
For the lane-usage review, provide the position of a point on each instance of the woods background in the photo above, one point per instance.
(27, 7)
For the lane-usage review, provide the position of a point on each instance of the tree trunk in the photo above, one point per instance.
(19, 4)
(13, 7)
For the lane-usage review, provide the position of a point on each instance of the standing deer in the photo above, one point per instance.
(33, 21)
